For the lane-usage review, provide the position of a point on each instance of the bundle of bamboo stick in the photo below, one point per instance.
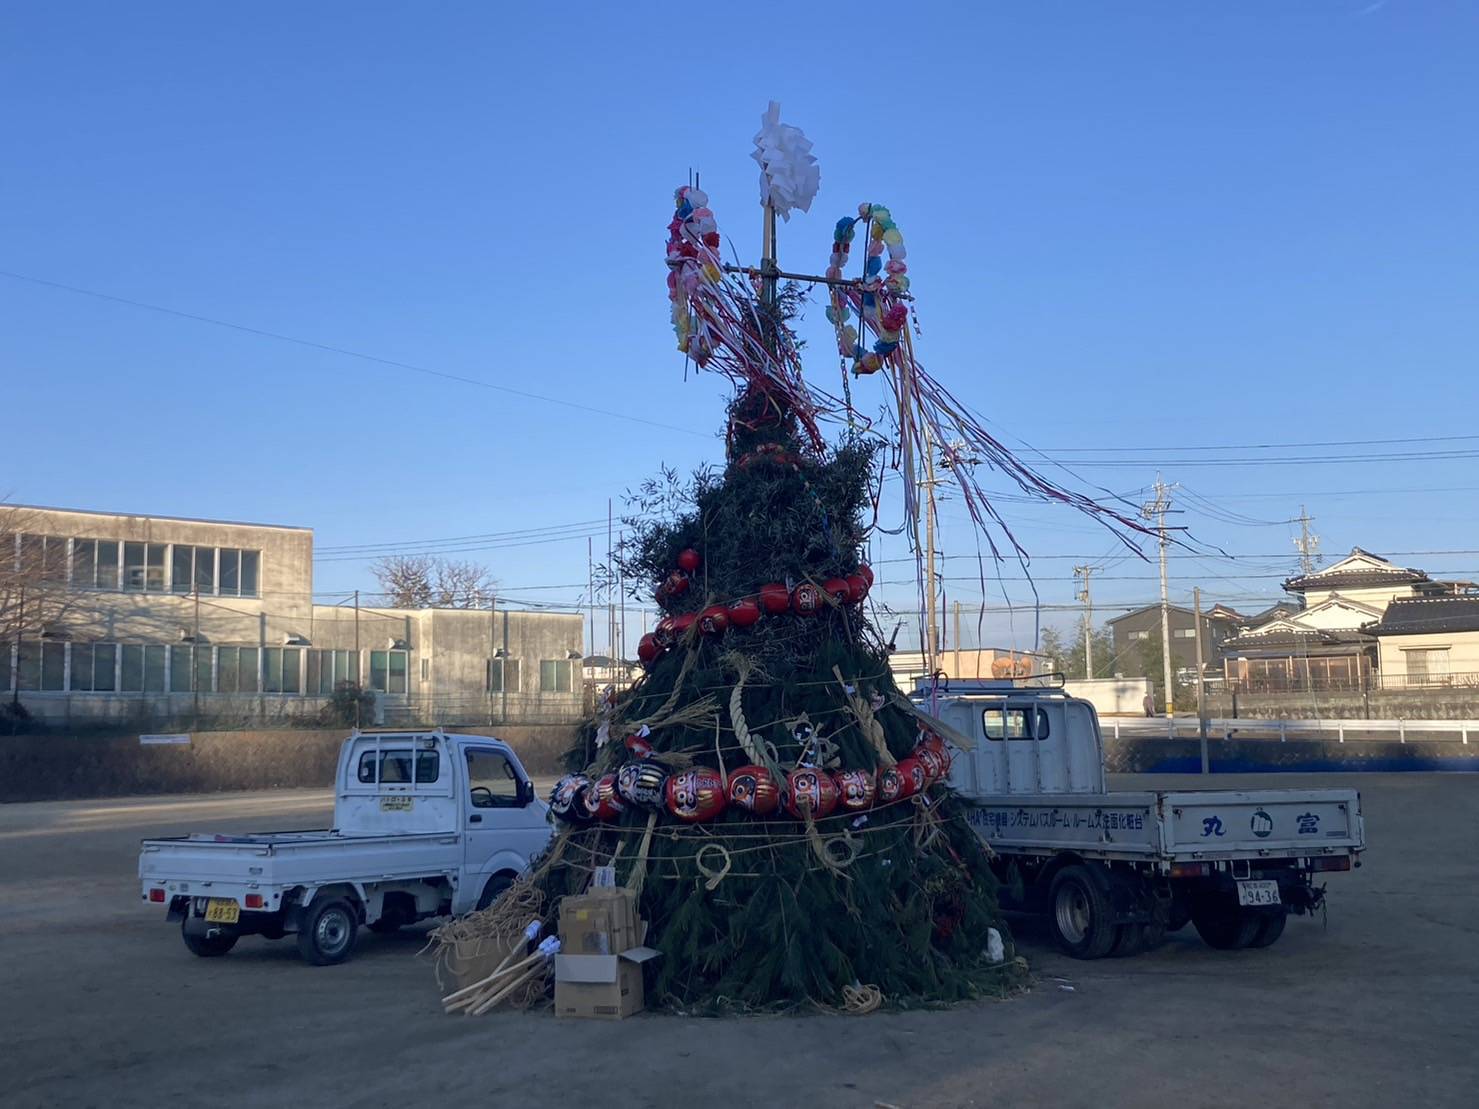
(513, 972)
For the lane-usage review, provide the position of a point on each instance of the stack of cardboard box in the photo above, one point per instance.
(598, 972)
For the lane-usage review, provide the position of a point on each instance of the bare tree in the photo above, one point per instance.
(35, 594)
(426, 581)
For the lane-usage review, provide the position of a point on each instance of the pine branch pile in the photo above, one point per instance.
(767, 911)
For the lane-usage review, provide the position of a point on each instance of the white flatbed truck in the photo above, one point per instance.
(1114, 871)
(426, 823)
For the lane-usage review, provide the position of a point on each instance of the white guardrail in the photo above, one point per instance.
(1186, 727)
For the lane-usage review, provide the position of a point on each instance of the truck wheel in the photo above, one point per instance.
(494, 890)
(207, 947)
(1080, 914)
(1270, 928)
(1226, 928)
(328, 930)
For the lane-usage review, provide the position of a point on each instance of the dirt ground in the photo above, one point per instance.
(102, 1004)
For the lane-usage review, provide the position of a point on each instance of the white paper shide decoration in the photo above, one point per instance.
(789, 175)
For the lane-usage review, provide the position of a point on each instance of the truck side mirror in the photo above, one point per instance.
(526, 792)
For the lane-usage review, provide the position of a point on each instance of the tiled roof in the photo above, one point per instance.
(1428, 615)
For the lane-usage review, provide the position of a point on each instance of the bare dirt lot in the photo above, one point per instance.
(102, 1004)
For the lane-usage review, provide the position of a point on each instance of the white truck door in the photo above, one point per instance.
(503, 828)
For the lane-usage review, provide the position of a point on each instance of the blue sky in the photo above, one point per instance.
(1132, 227)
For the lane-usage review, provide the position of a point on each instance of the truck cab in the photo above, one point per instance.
(426, 823)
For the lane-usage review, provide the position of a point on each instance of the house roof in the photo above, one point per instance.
(1428, 615)
(1295, 641)
(1282, 608)
(1358, 570)
(1207, 613)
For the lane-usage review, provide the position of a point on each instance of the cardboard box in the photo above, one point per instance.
(602, 922)
(605, 987)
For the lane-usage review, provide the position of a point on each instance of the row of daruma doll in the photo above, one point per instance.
(773, 599)
(701, 793)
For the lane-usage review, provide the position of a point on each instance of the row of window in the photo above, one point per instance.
(61, 667)
(1176, 633)
(185, 668)
(114, 564)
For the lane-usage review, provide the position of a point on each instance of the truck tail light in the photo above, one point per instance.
(1331, 862)
(156, 895)
(1190, 870)
(254, 901)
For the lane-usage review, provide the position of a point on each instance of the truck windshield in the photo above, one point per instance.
(395, 767)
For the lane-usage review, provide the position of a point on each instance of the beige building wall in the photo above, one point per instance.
(1462, 655)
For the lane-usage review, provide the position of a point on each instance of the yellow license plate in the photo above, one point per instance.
(397, 803)
(222, 910)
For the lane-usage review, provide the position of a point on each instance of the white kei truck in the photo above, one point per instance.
(1115, 871)
(426, 823)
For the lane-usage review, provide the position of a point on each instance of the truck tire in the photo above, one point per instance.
(494, 890)
(1271, 928)
(1079, 913)
(328, 931)
(207, 947)
(1226, 927)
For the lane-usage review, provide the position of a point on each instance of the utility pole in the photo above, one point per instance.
(610, 602)
(195, 658)
(493, 653)
(956, 671)
(590, 592)
(1196, 597)
(1083, 595)
(1156, 510)
(1308, 543)
(357, 686)
(931, 645)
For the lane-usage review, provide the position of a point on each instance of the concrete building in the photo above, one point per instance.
(160, 618)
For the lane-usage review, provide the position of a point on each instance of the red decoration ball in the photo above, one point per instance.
(810, 790)
(857, 588)
(867, 574)
(890, 785)
(713, 620)
(676, 584)
(912, 777)
(664, 633)
(648, 649)
(689, 560)
(681, 624)
(754, 789)
(855, 789)
(744, 614)
(696, 794)
(931, 761)
(836, 588)
(775, 598)
(806, 600)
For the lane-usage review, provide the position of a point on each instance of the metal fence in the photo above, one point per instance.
(1369, 683)
(1281, 731)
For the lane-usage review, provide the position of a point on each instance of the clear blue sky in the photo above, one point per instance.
(1131, 226)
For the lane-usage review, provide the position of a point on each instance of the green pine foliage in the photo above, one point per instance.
(908, 907)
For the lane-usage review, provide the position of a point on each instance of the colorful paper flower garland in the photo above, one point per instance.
(876, 299)
(693, 262)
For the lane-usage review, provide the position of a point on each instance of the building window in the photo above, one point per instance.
(281, 670)
(1184, 633)
(426, 670)
(554, 675)
(95, 667)
(142, 669)
(41, 666)
(1427, 666)
(388, 671)
(1139, 635)
(326, 669)
(143, 567)
(502, 675)
(193, 569)
(236, 669)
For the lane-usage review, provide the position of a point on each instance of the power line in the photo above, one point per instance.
(391, 362)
